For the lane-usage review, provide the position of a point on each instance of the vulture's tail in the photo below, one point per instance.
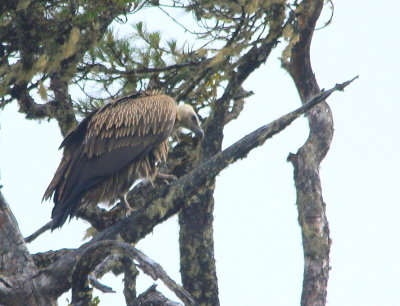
(61, 211)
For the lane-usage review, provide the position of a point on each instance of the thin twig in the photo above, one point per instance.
(40, 231)
(155, 270)
(99, 286)
(105, 266)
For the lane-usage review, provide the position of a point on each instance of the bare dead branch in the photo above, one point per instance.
(40, 231)
(238, 104)
(158, 209)
(90, 259)
(99, 286)
(150, 267)
(327, 23)
(153, 297)
(168, 200)
(105, 266)
(209, 169)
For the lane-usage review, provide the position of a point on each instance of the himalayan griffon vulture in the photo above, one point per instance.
(114, 146)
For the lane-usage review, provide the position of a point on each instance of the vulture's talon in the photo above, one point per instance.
(166, 176)
(129, 210)
(124, 201)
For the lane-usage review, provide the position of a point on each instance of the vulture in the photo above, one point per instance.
(113, 147)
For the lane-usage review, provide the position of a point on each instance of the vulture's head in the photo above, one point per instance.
(188, 119)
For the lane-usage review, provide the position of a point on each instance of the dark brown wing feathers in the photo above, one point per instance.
(128, 135)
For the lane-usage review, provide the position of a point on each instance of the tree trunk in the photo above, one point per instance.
(311, 207)
(196, 242)
(18, 285)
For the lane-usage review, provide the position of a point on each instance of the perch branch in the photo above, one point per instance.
(169, 199)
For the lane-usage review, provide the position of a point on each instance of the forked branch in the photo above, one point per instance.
(95, 254)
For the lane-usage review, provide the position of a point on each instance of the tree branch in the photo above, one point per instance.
(62, 107)
(99, 286)
(153, 297)
(170, 199)
(40, 231)
(238, 105)
(130, 274)
(147, 265)
(43, 260)
(98, 251)
(113, 263)
(102, 68)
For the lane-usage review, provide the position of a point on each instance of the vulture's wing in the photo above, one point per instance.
(111, 138)
(72, 145)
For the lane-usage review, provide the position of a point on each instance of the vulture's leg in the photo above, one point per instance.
(124, 200)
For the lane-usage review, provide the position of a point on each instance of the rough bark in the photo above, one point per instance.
(130, 274)
(196, 244)
(311, 207)
(94, 254)
(18, 285)
(62, 104)
(154, 298)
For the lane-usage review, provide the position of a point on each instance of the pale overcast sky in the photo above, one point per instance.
(257, 237)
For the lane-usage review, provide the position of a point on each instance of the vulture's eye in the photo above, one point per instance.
(193, 118)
